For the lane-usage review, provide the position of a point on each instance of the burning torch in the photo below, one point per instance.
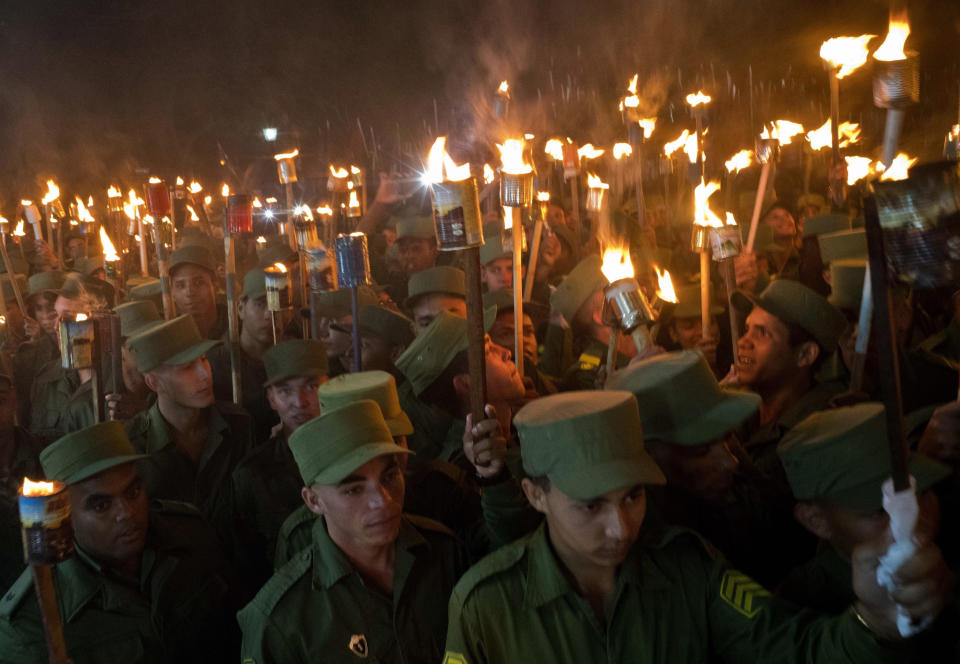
(704, 221)
(51, 201)
(698, 102)
(638, 130)
(287, 174)
(158, 207)
(516, 194)
(896, 83)
(456, 219)
(238, 218)
(543, 203)
(353, 271)
(277, 281)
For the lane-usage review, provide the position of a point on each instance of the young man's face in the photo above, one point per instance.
(502, 334)
(337, 338)
(782, 223)
(110, 514)
(687, 332)
(45, 313)
(503, 380)
(76, 248)
(766, 357)
(376, 353)
(188, 385)
(132, 378)
(364, 509)
(705, 470)
(595, 533)
(256, 319)
(430, 306)
(498, 273)
(193, 290)
(416, 254)
(295, 400)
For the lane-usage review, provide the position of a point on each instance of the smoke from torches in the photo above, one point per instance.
(846, 54)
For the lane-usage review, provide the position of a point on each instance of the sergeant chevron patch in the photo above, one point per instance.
(740, 591)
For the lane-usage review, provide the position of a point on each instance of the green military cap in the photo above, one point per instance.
(193, 254)
(173, 342)
(82, 454)
(277, 250)
(840, 457)
(295, 358)
(88, 265)
(136, 315)
(378, 386)
(440, 279)
(433, 350)
(792, 302)
(391, 326)
(843, 244)
(46, 281)
(665, 387)
(8, 293)
(337, 303)
(846, 283)
(135, 280)
(492, 247)
(73, 287)
(255, 284)
(811, 200)
(585, 442)
(584, 280)
(330, 447)
(825, 223)
(419, 226)
(149, 291)
(99, 287)
(688, 303)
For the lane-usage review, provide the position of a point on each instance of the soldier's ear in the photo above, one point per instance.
(535, 494)
(807, 354)
(150, 380)
(313, 501)
(811, 517)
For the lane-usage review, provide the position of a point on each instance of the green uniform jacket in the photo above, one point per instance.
(252, 377)
(51, 392)
(266, 488)
(79, 411)
(582, 374)
(430, 425)
(30, 356)
(317, 607)
(175, 612)
(675, 602)
(170, 474)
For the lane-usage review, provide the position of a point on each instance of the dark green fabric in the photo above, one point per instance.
(30, 356)
(582, 374)
(517, 605)
(823, 583)
(49, 395)
(316, 603)
(430, 424)
(176, 612)
(24, 464)
(253, 375)
(84, 453)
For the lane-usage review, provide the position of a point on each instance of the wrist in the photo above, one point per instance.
(877, 625)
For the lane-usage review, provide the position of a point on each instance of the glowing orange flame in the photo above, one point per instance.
(35, 489)
(179, 181)
(858, 168)
(325, 209)
(616, 264)
(81, 317)
(109, 251)
(680, 141)
(281, 267)
(648, 125)
(511, 157)
(53, 193)
(847, 54)
(554, 148)
(18, 231)
(594, 182)
(739, 161)
(589, 152)
(440, 164)
(665, 289)
(132, 203)
(821, 137)
(698, 99)
(225, 190)
(195, 187)
(193, 213)
(543, 196)
(287, 155)
(113, 192)
(898, 168)
(782, 130)
(256, 202)
(702, 214)
(621, 150)
(261, 240)
(207, 200)
(354, 202)
(631, 100)
(488, 175)
(892, 47)
(504, 87)
(340, 172)
(154, 180)
(83, 214)
(731, 220)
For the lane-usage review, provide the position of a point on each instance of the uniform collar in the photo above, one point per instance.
(81, 580)
(156, 423)
(330, 563)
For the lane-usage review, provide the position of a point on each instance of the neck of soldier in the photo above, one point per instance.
(374, 562)
(187, 426)
(595, 583)
(205, 321)
(85, 375)
(252, 346)
(780, 396)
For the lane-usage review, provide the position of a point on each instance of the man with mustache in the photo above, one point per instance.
(266, 483)
(192, 443)
(146, 580)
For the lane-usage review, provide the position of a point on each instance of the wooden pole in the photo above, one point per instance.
(163, 268)
(705, 293)
(575, 207)
(355, 308)
(50, 614)
(517, 232)
(532, 261)
(836, 190)
(758, 205)
(476, 346)
(232, 322)
(729, 283)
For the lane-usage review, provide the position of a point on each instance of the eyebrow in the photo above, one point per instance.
(94, 497)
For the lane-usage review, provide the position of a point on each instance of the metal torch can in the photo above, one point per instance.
(896, 83)
(456, 214)
(353, 260)
(287, 170)
(629, 304)
(45, 522)
(278, 288)
(516, 190)
(76, 344)
(157, 198)
(571, 160)
(725, 242)
(239, 213)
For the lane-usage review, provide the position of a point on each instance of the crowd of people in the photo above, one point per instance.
(685, 507)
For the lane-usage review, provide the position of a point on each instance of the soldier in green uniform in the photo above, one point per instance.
(256, 336)
(435, 366)
(43, 321)
(502, 333)
(790, 330)
(369, 584)
(441, 288)
(192, 277)
(266, 483)
(134, 316)
(146, 581)
(683, 326)
(336, 319)
(594, 585)
(192, 444)
(496, 260)
(384, 335)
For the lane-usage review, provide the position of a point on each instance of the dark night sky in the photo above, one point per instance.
(90, 91)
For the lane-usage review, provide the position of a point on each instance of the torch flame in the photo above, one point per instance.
(154, 180)
(355, 170)
(632, 85)
(109, 251)
(193, 213)
(225, 190)
(672, 146)
(594, 182)
(631, 100)
(892, 47)
(589, 152)
(504, 88)
(702, 214)
(554, 148)
(821, 137)
(858, 168)
(739, 161)
(53, 193)
(207, 200)
(353, 203)
(81, 318)
(195, 187)
(488, 175)
(731, 220)
(325, 209)
(648, 125)
(697, 99)
(621, 150)
(847, 54)
(339, 172)
(281, 267)
(511, 157)
(543, 196)
(179, 181)
(34, 489)
(439, 163)
(261, 240)
(256, 202)
(132, 203)
(782, 130)
(616, 264)
(83, 214)
(287, 155)
(113, 192)
(18, 231)
(89, 201)
(898, 167)
(665, 289)
(305, 212)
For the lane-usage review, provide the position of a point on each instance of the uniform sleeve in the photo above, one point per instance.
(262, 642)
(507, 516)
(21, 637)
(463, 633)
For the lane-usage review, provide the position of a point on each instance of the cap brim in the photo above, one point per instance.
(400, 425)
(98, 467)
(596, 480)
(715, 422)
(868, 496)
(345, 465)
(293, 374)
(192, 353)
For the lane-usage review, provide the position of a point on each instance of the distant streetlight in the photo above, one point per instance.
(269, 134)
